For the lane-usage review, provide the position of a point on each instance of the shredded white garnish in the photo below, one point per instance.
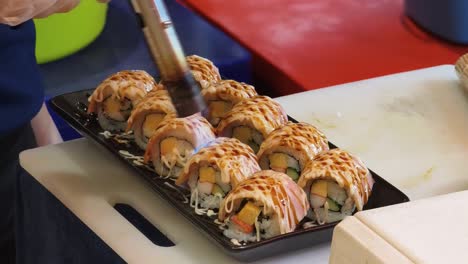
(194, 203)
(119, 138)
(121, 141)
(141, 164)
(257, 227)
(317, 217)
(128, 135)
(136, 160)
(130, 156)
(178, 191)
(107, 134)
(126, 153)
(216, 221)
(210, 213)
(222, 225)
(235, 242)
(169, 165)
(326, 207)
(308, 225)
(175, 158)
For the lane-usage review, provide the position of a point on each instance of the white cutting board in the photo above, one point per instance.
(409, 128)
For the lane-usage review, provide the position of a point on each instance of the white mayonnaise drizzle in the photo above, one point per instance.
(194, 203)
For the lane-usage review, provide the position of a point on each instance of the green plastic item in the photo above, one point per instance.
(61, 35)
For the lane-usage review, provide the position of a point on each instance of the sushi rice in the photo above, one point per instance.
(265, 228)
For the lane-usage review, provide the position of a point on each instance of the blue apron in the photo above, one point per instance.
(21, 87)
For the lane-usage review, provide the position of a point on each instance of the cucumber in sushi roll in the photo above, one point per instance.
(289, 148)
(337, 183)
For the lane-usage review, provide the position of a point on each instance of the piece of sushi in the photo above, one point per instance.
(115, 98)
(148, 114)
(203, 70)
(222, 96)
(252, 120)
(175, 140)
(290, 147)
(215, 170)
(265, 205)
(337, 183)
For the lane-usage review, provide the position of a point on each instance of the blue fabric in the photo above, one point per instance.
(21, 87)
(12, 143)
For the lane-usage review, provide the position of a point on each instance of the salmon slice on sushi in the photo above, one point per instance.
(222, 96)
(215, 170)
(115, 98)
(252, 120)
(148, 114)
(174, 141)
(203, 71)
(265, 205)
(290, 147)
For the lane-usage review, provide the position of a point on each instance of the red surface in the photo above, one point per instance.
(317, 43)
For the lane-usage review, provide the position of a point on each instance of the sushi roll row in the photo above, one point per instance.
(333, 185)
(240, 158)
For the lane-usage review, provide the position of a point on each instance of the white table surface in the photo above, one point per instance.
(410, 128)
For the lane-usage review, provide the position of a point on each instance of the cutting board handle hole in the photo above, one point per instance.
(143, 225)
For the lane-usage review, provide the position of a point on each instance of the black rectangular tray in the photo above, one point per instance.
(72, 108)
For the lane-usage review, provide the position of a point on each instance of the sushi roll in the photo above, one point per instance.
(175, 140)
(290, 147)
(337, 183)
(215, 170)
(148, 114)
(203, 70)
(265, 205)
(116, 97)
(222, 96)
(252, 120)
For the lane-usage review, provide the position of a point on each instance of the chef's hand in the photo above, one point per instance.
(15, 12)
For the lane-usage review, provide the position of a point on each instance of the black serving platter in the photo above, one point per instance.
(72, 108)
